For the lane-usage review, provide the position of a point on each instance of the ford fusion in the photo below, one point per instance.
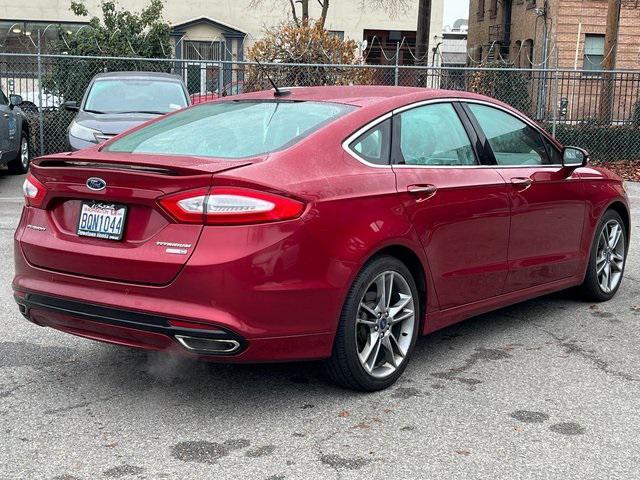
(326, 223)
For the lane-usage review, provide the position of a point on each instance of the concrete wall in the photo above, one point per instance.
(344, 15)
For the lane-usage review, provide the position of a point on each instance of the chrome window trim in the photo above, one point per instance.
(386, 116)
(524, 120)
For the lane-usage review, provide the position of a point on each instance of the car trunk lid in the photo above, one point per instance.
(153, 248)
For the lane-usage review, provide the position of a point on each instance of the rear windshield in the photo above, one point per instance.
(135, 96)
(231, 130)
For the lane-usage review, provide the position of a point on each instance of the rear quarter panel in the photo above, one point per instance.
(354, 210)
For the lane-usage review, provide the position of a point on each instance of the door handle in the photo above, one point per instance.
(423, 190)
(521, 182)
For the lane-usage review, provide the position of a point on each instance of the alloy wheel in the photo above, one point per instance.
(610, 256)
(385, 324)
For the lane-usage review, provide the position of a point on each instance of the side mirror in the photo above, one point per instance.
(14, 100)
(574, 157)
(71, 106)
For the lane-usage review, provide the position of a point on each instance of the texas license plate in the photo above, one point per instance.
(102, 220)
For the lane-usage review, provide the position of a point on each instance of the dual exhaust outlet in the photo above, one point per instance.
(208, 346)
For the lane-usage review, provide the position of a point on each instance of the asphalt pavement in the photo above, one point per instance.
(549, 388)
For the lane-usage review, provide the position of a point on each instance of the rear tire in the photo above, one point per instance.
(377, 332)
(607, 259)
(20, 165)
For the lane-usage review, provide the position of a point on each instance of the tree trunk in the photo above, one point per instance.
(293, 12)
(323, 15)
(305, 11)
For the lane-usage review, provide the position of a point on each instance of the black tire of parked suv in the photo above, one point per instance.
(19, 166)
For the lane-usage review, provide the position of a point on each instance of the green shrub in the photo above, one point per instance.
(604, 142)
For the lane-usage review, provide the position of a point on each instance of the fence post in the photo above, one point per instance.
(397, 72)
(220, 78)
(40, 118)
(556, 100)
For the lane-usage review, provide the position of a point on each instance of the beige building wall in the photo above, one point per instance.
(344, 15)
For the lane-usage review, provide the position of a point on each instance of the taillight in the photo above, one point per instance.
(230, 206)
(34, 191)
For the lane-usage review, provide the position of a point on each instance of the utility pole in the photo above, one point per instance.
(609, 62)
(422, 39)
(422, 32)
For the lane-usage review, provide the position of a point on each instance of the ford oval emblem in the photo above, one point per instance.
(95, 183)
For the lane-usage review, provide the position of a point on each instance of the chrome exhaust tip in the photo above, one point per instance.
(213, 346)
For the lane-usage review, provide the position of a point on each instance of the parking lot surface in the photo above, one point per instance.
(549, 388)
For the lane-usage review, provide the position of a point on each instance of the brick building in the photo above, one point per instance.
(569, 32)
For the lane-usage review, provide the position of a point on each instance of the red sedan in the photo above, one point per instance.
(334, 223)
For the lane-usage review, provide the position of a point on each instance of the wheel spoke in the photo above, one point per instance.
(394, 341)
(616, 265)
(398, 307)
(606, 276)
(614, 235)
(370, 347)
(369, 323)
(389, 290)
(382, 292)
(401, 317)
(388, 352)
(368, 309)
(371, 360)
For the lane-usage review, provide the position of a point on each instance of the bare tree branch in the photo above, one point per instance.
(293, 12)
(392, 7)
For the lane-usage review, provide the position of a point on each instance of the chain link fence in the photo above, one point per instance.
(599, 111)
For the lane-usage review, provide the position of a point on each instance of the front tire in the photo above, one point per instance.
(607, 259)
(20, 165)
(378, 327)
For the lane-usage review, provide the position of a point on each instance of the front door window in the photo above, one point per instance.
(513, 142)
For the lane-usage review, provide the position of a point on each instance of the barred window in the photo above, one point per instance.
(593, 52)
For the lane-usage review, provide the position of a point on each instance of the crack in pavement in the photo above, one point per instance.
(571, 347)
(80, 405)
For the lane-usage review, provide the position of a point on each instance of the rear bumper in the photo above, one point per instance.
(152, 332)
(272, 293)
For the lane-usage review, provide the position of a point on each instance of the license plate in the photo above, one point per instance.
(102, 220)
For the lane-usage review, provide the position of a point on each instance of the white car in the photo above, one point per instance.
(32, 101)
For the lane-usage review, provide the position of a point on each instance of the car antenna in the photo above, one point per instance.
(279, 92)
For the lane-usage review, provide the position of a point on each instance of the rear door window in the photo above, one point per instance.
(234, 129)
(433, 135)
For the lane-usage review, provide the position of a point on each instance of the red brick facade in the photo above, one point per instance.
(568, 22)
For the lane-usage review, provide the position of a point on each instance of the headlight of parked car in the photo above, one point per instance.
(83, 133)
